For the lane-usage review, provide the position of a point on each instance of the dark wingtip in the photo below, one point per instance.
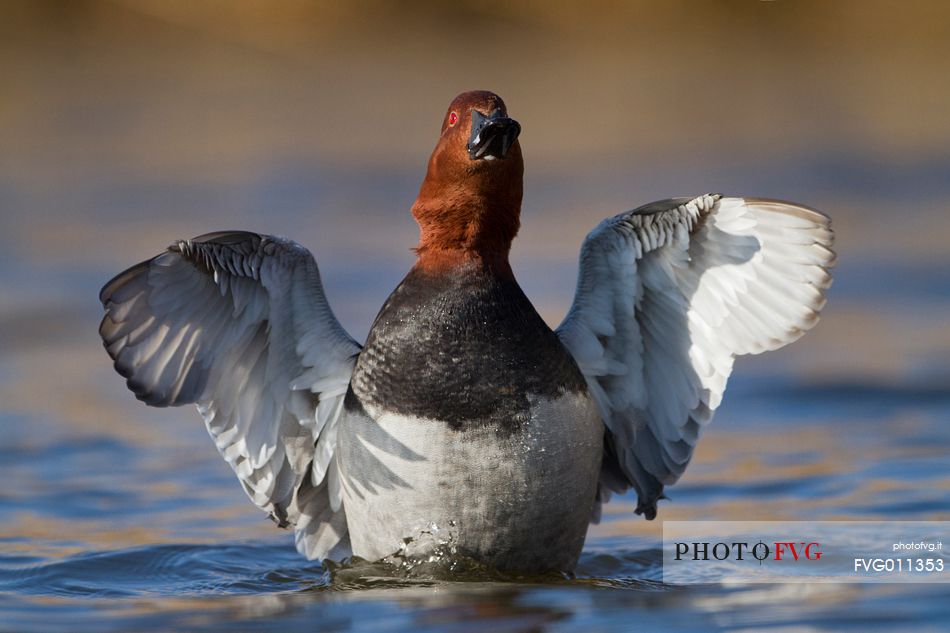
(648, 511)
(220, 237)
(121, 279)
(648, 508)
(229, 237)
(142, 393)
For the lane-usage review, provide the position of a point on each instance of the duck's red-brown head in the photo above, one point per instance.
(470, 200)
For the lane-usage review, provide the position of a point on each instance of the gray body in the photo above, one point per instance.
(468, 428)
(514, 501)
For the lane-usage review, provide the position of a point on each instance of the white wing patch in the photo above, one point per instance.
(238, 324)
(667, 296)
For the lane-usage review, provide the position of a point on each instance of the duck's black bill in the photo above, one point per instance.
(492, 135)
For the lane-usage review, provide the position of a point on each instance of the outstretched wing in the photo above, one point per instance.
(238, 324)
(667, 296)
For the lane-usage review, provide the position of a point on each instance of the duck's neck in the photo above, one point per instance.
(442, 261)
(468, 215)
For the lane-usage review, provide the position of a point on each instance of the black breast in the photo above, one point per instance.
(466, 348)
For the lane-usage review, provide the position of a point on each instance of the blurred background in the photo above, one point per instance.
(126, 124)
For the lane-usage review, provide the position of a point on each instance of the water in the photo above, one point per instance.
(127, 125)
(103, 533)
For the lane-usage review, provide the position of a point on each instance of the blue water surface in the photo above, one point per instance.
(103, 485)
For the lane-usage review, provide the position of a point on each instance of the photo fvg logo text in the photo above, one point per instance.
(814, 551)
(742, 550)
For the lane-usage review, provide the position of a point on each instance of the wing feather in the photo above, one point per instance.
(667, 296)
(238, 324)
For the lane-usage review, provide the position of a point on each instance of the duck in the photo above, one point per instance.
(464, 423)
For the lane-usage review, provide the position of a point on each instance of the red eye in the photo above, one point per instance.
(453, 118)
